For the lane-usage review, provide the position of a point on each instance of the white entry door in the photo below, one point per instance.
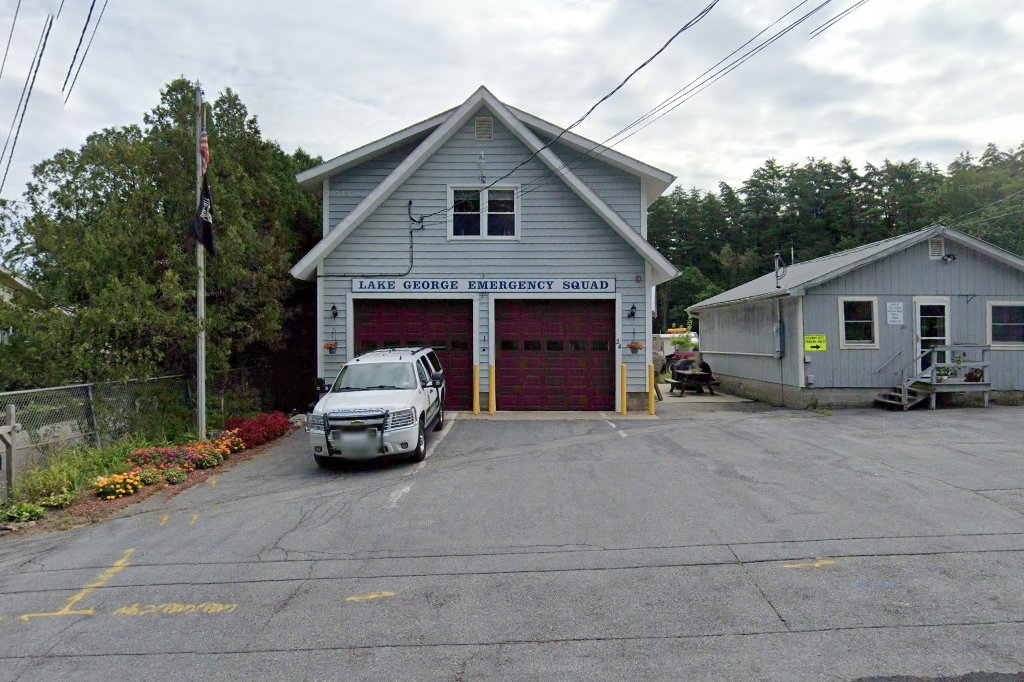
(931, 328)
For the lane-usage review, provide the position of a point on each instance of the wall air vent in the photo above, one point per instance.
(936, 248)
(484, 129)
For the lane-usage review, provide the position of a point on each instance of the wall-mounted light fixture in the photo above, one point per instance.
(334, 311)
(949, 258)
(481, 164)
(632, 311)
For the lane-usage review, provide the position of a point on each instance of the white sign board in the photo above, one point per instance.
(444, 285)
(894, 312)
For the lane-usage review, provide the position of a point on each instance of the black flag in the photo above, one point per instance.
(202, 226)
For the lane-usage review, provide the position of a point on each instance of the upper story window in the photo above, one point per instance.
(858, 322)
(491, 213)
(1006, 324)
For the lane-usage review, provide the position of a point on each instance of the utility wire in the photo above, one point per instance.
(79, 46)
(86, 53)
(688, 92)
(982, 219)
(836, 19)
(24, 89)
(59, 10)
(692, 22)
(991, 203)
(9, 36)
(46, 35)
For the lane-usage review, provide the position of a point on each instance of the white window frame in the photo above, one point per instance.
(1000, 345)
(858, 345)
(482, 237)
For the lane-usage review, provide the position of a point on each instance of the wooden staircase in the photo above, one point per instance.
(943, 376)
(904, 397)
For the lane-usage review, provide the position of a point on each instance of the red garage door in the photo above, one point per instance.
(445, 326)
(555, 355)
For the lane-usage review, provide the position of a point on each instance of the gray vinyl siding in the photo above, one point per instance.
(560, 237)
(349, 188)
(970, 282)
(740, 341)
(617, 188)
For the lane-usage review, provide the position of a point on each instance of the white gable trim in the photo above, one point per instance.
(990, 250)
(311, 177)
(653, 180)
(662, 269)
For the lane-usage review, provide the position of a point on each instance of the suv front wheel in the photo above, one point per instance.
(420, 453)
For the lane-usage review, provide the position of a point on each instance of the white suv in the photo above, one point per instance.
(381, 404)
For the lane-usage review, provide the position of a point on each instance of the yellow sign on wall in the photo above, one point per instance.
(815, 343)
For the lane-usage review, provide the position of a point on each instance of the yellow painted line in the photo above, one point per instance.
(104, 578)
(165, 519)
(367, 597)
(195, 517)
(820, 563)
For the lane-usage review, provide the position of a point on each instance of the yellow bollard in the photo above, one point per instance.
(492, 400)
(623, 373)
(650, 389)
(476, 389)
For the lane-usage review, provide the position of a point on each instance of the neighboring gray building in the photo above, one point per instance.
(841, 329)
(524, 264)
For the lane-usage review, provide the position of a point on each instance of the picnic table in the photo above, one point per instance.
(694, 380)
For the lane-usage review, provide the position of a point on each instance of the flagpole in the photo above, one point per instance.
(200, 285)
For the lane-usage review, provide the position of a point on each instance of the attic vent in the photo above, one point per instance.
(484, 129)
(936, 248)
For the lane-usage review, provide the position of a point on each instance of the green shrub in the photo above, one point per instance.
(22, 511)
(175, 476)
(60, 500)
(73, 471)
(150, 475)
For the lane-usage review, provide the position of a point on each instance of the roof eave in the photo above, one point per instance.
(782, 293)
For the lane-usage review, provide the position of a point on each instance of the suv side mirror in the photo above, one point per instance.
(436, 379)
(321, 385)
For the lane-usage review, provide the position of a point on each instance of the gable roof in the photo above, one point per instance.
(12, 281)
(802, 276)
(655, 181)
(662, 269)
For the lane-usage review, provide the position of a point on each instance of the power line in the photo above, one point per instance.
(692, 22)
(46, 35)
(9, 36)
(24, 89)
(86, 53)
(836, 19)
(991, 203)
(689, 91)
(79, 46)
(981, 219)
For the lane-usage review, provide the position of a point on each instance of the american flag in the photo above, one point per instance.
(204, 147)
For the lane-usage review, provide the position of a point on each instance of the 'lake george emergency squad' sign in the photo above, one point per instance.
(476, 286)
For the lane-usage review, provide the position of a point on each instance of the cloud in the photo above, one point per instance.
(913, 78)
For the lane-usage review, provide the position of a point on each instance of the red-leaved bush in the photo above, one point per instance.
(262, 428)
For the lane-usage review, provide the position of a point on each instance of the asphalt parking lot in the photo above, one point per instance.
(732, 543)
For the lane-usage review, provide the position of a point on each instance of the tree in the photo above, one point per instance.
(107, 237)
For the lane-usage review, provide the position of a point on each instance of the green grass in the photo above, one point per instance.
(73, 471)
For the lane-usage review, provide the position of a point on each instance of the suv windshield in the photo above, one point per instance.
(375, 376)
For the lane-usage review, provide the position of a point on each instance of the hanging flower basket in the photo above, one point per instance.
(635, 347)
(331, 347)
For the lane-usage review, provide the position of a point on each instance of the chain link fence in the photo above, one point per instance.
(53, 419)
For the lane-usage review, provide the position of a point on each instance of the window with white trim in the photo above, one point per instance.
(1006, 324)
(858, 322)
(490, 213)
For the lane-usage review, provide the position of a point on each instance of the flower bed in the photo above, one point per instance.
(173, 464)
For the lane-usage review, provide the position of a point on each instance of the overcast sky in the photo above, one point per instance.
(895, 79)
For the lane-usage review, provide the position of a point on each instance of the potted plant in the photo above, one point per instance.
(635, 347)
(331, 346)
(975, 374)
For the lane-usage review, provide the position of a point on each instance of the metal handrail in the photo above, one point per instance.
(891, 358)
